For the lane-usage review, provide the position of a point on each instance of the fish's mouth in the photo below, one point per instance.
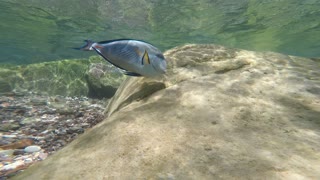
(163, 71)
(160, 68)
(163, 67)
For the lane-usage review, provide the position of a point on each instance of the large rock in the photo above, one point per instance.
(218, 114)
(103, 78)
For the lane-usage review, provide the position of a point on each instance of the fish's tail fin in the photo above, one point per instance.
(86, 47)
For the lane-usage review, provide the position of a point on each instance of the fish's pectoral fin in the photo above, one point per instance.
(131, 73)
(145, 58)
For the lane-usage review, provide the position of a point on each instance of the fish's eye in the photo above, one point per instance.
(160, 56)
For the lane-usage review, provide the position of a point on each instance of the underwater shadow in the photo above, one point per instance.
(303, 115)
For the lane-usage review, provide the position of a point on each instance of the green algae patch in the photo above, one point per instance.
(56, 77)
(8, 78)
(76, 77)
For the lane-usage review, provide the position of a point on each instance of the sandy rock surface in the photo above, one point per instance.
(218, 114)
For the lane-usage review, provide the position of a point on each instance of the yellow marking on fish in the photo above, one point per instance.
(145, 58)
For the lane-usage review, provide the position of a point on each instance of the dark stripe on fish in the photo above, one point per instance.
(106, 58)
(116, 40)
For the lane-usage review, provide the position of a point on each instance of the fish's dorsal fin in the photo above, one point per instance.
(145, 58)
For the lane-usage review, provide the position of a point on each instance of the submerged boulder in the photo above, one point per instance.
(77, 77)
(103, 78)
(218, 114)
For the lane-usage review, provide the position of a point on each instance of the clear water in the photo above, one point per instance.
(45, 30)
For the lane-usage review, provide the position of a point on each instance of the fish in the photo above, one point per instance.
(133, 57)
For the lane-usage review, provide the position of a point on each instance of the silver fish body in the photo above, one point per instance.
(136, 58)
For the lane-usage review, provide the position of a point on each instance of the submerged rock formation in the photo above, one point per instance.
(218, 114)
(78, 77)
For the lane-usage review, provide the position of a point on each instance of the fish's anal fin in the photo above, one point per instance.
(145, 58)
(131, 73)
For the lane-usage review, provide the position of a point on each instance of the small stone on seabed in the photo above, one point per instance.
(43, 156)
(12, 166)
(9, 136)
(31, 149)
(4, 153)
(18, 152)
(28, 160)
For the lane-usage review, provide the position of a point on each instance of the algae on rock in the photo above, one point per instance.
(103, 78)
(66, 77)
(59, 77)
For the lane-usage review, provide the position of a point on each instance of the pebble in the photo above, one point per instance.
(9, 136)
(5, 153)
(12, 166)
(28, 160)
(31, 149)
(27, 120)
(43, 156)
(18, 152)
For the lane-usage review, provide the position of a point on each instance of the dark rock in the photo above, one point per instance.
(18, 152)
(16, 109)
(75, 129)
(79, 114)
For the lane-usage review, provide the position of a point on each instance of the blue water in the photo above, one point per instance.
(43, 30)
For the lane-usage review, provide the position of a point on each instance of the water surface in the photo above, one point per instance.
(45, 30)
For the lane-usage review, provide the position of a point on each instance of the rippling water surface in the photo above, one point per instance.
(45, 30)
